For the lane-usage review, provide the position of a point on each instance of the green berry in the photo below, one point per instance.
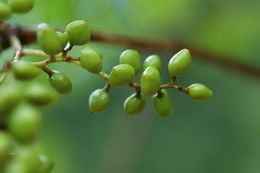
(162, 103)
(63, 37)
(98, 101)
(91, 59)
(24, 122)
(134, 104)
(121, 75)
(46, 165)
(48, 39)
(27, 157)
(5, 11)
(40, 95)
(78, 32)
(5, 146)
(153, 60)
(10, 97)
(199, 92)
(150, 81)
(60, 82)
(179, 63)
(21, 6)
(24, 70)
(131, 57)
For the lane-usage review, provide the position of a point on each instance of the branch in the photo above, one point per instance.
(28, 36)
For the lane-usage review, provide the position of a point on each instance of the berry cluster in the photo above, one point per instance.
(21, 96)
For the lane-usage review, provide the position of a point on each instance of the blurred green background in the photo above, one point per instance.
(220, 136)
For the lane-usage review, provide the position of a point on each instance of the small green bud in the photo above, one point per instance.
(179, 63)
(153, 60)
(199, 92)
(5, 11)
(24, 70)
(121, 75)
(98, 101)
(9, 98)
(150, 81)
(61, 82)
(162, 103)
(40, 95)
(91, 59)
(78, 32)
(131, 57)
(24, 122)
(48, 39)
(134, 104)
(63, 37)
(46, 165)
(5, 146)
(21, 6)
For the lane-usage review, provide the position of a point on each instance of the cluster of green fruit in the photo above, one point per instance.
(20, 95)
(14, 6)
(150, 85)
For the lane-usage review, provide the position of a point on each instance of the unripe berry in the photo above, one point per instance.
(5, 146)
(21, 6)
(60, 82)
(91, 59)
(153, 60)
(78, 32)
(162, 103)
(46, 165)
(9, 98)
(131, 57)
(39, 94)
(24, 70)
(5, 11)
(150, 81)
(199, 92)
(134, 104)
(179, 63)
(98, 101)
(48, 39)
(24, 122)
(121, 75)
(63, 37)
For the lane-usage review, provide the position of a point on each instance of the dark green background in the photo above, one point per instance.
(220, 136)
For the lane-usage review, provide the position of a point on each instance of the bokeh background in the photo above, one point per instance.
(220, 136)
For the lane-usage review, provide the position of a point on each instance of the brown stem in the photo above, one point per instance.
(29, 36)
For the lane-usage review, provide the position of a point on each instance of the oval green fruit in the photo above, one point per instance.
(179, 63)
(24, 122)
(162, 103)
(98, 101)
(60, 82)
(121, 75)
(91, 59)
(39, 94)
(199, 92)
(131, 57)
(48, 39)
(78, 32)
(24, 70)
(153, 60)
(150, 81)
(10, 97)
(5, 11)
(46, 165)
(5, 146)
(134, 105)
(63, 37)
(21, 6)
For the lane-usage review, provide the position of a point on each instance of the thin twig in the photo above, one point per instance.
(28, 36)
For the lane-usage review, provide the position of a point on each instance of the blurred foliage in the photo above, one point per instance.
(219, 136)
